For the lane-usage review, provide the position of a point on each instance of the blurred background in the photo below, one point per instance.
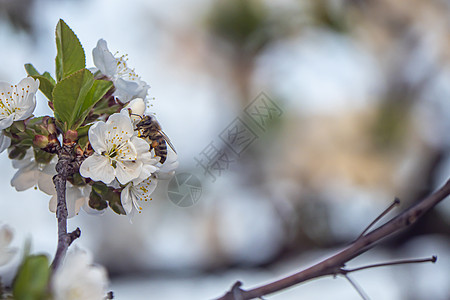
(363, 91)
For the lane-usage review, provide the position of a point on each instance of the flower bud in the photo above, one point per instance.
(40, 141)
(51, 127)
(70, 136)
(136, 107)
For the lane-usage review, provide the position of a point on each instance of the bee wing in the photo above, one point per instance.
(166, 138)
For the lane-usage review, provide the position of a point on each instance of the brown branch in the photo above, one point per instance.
(333, 264)
(432, 259)
(64, 169)
(394, 204)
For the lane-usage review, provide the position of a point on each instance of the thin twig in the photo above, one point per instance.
(432, 259)
(74, 235)
(357, 288)
(332, 265)
(393, 204)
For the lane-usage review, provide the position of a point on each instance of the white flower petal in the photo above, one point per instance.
(98, 168)
(146, 171)
(103, 59)
(53, 203)
(126, 171)
(45, 178)
(74, 199)
(140, 144)
(137, 107)
(26, 98)
(119, 124)
(114, 184)
(6, 101)
(97, 136)
(167, 169)
(26, 91)
(145, 188)
(45, 184)
(5, 142)
(127, 90)
(6, 253)
(24, 179)
(6, 87)
(78, 278)
(6, 236)
(126, 199)
(6, 122)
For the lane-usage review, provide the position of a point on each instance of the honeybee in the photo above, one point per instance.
(150, 130)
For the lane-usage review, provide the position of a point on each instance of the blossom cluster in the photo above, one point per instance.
(119, 167)
(101, 146)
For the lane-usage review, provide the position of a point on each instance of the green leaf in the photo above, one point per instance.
(16, 152)
(49, 77)
(31, 70)
(69, 97)
(114, 202)
(84, 130)
(96, 201)
(97, 91)
(83, 138)
(45, 86)
(42, 157)
(32, 279)
(70, 54)
(46, 82)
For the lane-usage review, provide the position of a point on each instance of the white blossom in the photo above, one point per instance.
(167, 169)
(132, 194)
(128, 85)
(32, 174)
(78, 279)
(136, 109)
(5, 142)
(6, 252)
(119, 153)
(17, 102)
(76, 197)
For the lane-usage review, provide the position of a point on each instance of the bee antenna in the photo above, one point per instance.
(131, 114)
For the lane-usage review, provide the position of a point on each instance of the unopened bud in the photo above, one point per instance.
(136, 107)
(51, 127)
(40, 141)
(70, 136)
